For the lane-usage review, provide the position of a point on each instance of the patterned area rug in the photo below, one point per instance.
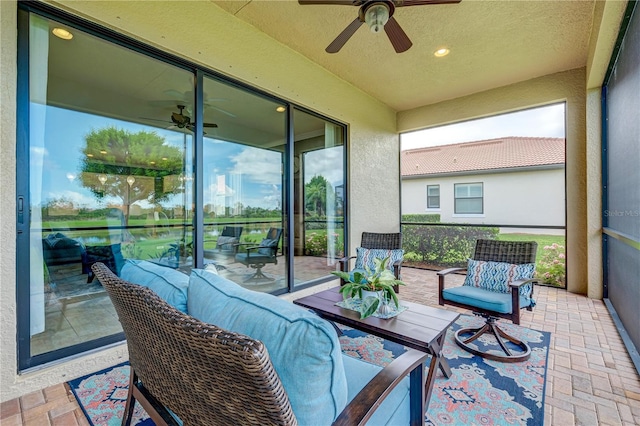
(479, 392)
(103, 395)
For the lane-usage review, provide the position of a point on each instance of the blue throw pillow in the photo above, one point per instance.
(268, 246)
(169, 284)
(497, 276)
(365, 257)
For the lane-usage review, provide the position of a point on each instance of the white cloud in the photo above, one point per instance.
(258, 165)
(536, 122)
(327, 163)
(77, 198)
(37, 155)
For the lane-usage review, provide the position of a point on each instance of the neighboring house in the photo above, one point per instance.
(503, 181)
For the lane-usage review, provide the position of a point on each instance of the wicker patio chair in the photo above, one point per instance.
(509, 252)
(210, 376)
(373, 240)
(258, 256)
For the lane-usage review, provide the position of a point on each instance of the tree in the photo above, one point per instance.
(130, 166)
(316, 194)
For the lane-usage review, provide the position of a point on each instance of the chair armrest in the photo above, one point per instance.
(254, 247)
(365, 403)
(343, 263)
(441, 275)
(449, 271)
(520, 283)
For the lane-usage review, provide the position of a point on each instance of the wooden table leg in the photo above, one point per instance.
(417, 396)
(437, 361)
(442, 361)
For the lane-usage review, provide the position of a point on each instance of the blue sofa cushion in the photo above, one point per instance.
(497, 276)
(365, 257)
(395, 409)
(484, 299)
(303, 348)
(169, 284)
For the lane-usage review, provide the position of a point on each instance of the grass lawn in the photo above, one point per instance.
(542, 240)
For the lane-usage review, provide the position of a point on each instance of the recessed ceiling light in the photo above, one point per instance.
(443, 51)
(281, 109)
(62, 33)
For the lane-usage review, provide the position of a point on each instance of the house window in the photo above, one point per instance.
(468, 198)
(433, 196)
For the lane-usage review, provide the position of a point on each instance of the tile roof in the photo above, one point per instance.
(492, 154)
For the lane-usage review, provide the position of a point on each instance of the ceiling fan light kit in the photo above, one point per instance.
(378, 15)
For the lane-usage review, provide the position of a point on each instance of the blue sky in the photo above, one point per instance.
(547, 121)
(253, 171)
(65, 131)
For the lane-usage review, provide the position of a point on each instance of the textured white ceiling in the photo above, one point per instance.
(493, 44)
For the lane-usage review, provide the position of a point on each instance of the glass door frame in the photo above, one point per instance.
(25, 360)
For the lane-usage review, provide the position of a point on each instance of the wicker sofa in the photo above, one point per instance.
(321, 382)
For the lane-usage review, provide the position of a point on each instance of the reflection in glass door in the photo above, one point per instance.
(109, 179)
(318, 189)
(243, 163)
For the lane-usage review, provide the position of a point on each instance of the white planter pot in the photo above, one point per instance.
(367, 293)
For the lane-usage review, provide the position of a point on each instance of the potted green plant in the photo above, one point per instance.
(378, 280)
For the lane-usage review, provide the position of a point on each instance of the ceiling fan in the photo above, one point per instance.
(377, 14)
(187, 98)
(182, 121)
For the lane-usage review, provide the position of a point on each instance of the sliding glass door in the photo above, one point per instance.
(109, 177)
(243, 164)
(318, 193)
(127, 156)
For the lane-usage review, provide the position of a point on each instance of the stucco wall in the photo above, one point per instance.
(207, 35)
(515, 198)
(568, 86)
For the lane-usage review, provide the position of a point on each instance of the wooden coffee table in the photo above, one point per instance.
(419, 327)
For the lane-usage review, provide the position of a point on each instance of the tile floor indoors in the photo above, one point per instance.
(590, 379)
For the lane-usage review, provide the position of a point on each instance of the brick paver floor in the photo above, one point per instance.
(590, 379)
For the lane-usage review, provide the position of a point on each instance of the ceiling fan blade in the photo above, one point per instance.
(224, 111)
(402, 3)
(177, 94)
(209, 125)
(333, 2)
(397, 36)
(344, 36)
(154, 119)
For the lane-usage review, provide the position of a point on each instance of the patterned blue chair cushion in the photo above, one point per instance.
(365, 257)
(497, 276)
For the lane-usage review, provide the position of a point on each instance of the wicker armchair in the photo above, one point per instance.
(258, 256)
(373, 240)
(509, 252)
(210, 376)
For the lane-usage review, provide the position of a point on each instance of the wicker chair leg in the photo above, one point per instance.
(259, 275)
(131, 402)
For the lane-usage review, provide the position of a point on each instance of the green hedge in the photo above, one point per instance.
(424, 218)
(442, 246)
